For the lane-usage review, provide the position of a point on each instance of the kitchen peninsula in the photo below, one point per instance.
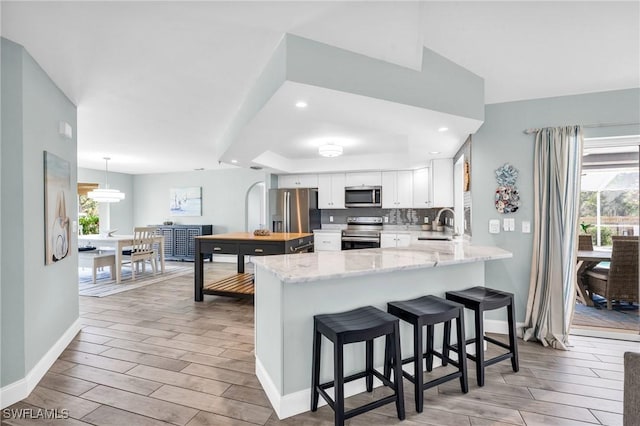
(290, 290)
(241, 244)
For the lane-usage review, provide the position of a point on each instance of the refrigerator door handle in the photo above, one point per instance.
(287, 208)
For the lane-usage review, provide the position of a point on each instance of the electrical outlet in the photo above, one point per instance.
(494, 226)
(512, 224)
(386, 219)
(526, 226)
(330, 218)
(426, 219)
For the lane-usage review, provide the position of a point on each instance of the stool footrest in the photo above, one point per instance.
(498, 359)
(369, 406)
(497, 342)
(326, 397)
(434, 382)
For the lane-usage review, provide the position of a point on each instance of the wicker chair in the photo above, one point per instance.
(621, 282)
(585, 242)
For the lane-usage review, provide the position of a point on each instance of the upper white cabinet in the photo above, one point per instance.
(442, 178)
(421, 188)
(297, 181)
(397, 189)
(433, 186)
(363, 179)
(331, 191)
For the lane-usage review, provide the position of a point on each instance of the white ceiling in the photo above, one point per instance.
(157, 83)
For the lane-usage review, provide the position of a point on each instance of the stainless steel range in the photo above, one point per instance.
(362, 232)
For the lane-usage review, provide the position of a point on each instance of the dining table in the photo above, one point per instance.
(118, 243)
(588, 259)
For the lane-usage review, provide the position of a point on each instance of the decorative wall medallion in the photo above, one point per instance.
(507, 198)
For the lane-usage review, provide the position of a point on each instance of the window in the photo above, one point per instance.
(609, 188)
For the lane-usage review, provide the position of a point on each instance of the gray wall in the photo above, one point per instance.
(223, 197)
(39, 303)
(501, 139)
(121, 214)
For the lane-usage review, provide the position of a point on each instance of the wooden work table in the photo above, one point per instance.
(241, 244)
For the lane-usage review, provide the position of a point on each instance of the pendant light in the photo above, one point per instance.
(106, 195)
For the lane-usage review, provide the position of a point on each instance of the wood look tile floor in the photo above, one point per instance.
(152, 356)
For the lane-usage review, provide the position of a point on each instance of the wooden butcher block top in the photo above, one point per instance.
(248, 236)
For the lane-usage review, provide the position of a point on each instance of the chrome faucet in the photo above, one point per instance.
(437, 220)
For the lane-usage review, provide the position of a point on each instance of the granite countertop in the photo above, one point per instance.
(327, 231)
(308, 267)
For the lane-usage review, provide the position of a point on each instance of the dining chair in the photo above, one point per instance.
(142, 250)
(585, 242)
(620, 282)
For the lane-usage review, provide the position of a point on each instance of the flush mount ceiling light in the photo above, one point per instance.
(443, 129)
(106, 195)
(330, 150)
(234, 161)
(434, 152)
(301, 104)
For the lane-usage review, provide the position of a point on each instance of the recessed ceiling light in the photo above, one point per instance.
(434, 152)
(234, 161)
(301, 104)
(443, 129)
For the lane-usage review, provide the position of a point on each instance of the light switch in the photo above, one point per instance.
(330, 218)
(494, 226)
(386, 219)
(526, 226)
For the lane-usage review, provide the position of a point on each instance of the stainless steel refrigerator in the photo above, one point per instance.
(294, 210)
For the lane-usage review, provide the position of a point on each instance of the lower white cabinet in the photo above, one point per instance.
(327, 241)
(394, 240)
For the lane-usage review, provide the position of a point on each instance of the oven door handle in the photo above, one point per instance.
(361, 239)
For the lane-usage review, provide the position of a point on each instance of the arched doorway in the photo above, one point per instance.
(255, 207)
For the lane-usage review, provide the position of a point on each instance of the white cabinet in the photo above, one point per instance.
(327, 241)
(421, 188)
(364, 179)
(442, 186)
(433, 186)
(394, 240)
(331, 191)
(297, 181)
(397, 189)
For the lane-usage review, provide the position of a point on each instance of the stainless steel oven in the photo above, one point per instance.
(362, 232)
(363, 196)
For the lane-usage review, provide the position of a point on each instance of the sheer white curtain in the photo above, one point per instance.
(552, 292)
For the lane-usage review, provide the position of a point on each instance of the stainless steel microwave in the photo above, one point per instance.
(363, 196)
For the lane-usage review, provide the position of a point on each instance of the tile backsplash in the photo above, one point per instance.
(396, 216)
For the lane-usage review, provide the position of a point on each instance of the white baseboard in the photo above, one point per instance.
(300, 402)
(20, 389)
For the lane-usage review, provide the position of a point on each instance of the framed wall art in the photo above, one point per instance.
(57, 193)
(185, 201)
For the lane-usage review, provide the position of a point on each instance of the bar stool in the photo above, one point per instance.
(428, 311)
(480, 299)
(359, 325)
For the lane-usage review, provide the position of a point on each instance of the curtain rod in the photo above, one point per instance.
(530, 131)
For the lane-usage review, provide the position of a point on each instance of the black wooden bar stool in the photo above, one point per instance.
(480, 299)
(359, 325)
(428, 311)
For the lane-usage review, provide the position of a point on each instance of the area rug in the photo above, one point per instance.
(105, 286)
